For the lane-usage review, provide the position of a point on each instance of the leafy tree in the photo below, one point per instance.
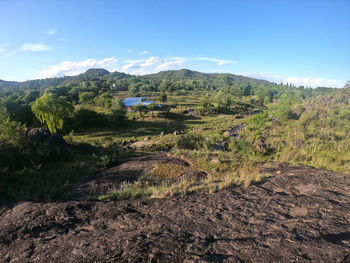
(163, 97)
(141, 109)
(144, 88)
(9, 130)
(267, 100)
(247, 90)
(31, 96)
(51, 110)
(283, 109)
(134, 89)
(259, 121)
(224, 101)
(11, 143)
(205, 106)
(165, 85)
(86, 97)
(20, 111)
(104, 100)
(118, 108)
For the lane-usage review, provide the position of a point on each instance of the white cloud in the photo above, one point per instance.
(4, 50)
(298, 81)
(151, 62)
(70, 68)
(35, 47)
(3, 47)
(265, 76)
(216, 60)
(130, 51)
(314, 82)
(143, 52)
(170, 65)
(51, 32)
(151, 65)
(8, 54)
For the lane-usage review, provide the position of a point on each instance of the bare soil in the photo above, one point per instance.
(301, 214)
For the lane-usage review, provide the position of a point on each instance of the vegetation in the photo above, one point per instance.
(51, 110)
(231, 125)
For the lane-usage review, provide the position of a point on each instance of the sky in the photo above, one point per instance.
(300, 42)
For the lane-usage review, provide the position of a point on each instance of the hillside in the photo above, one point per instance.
(185, 74)
(102, 74)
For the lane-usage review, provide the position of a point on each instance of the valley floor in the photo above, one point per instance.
(300, 214)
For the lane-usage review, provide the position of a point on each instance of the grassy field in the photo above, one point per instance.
(318, 136)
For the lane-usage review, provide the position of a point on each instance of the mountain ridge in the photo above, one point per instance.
(93, 73)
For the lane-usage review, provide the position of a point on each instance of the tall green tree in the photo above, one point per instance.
(52, 110)
(163, 97)
(118, 109)
(205, 106)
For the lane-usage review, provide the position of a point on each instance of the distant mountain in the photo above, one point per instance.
(99, 73)
(90, 74)
(94, 73)
(186, 74)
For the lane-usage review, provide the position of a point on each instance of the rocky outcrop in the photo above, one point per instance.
(301, 214)
(54, 144)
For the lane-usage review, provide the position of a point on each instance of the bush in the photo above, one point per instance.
(111, 159)
(205, 107)
(259, 121)
(190, 141)
(118, 109)
(85, 118)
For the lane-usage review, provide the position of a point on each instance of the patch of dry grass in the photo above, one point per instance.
(168, 171)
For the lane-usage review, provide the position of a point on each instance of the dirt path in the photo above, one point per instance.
(300, 215)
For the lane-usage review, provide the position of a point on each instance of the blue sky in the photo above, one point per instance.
(304, 42)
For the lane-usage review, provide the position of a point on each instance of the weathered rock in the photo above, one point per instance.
(238, 128)
(41, 137)
(221, 145)
(215, 159)
(38, 135)
(128, 172)
(298, 215)
(227, 134)
(261, 145)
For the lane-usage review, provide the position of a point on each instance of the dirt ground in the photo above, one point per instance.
(301, 214)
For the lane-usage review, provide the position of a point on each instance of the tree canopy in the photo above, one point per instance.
(52, 110)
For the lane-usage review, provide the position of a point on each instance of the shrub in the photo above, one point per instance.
(259, 121)
(52, 111)
(205, 107)
(85, 118)
(118, 109)
(190, 141)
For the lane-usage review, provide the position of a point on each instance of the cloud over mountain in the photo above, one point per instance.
(70, 68)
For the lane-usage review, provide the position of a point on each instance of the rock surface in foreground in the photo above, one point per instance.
(299, 215)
